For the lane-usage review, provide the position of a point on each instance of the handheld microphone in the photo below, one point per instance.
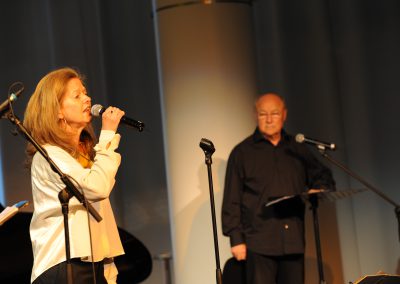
(300, 138)
(98, 110)
(5, 106)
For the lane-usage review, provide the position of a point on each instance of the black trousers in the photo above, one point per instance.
(262, 269)
(82, 273)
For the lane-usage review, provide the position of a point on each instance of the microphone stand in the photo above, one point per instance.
(70, 187)
(209, 149)
(64, 195)
(365, 183)
(64, 198)
(313, 199)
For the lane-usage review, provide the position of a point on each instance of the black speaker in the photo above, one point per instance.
(379, 279)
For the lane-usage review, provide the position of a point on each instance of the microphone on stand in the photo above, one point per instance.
(98, 110)
(209, 149)
(207, 146)
(300, 138)
(5, 106)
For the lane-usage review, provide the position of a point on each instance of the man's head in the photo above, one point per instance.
(271, 115)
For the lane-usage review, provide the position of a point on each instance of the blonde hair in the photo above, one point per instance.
(41, 115)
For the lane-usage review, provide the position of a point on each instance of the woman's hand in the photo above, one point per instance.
(111, 118)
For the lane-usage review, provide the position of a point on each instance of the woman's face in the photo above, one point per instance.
(75, 105)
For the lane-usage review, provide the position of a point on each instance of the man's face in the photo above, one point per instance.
(271, 116)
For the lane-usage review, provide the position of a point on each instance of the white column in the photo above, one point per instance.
(207, 61)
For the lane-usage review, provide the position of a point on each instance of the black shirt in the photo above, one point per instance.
(258, 172)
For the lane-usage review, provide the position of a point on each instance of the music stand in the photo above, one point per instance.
(8, 212)
(313, 197)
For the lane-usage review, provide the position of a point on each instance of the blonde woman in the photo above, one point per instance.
(58, 118)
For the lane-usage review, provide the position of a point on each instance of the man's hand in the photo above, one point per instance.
(239, 251)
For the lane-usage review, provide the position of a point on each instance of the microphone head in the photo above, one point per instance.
(14, 96)
(207, 145)
(96, 110)
(300, 138)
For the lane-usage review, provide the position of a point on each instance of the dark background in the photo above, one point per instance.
(113, 44)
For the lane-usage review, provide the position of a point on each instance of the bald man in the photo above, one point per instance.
(266, 165)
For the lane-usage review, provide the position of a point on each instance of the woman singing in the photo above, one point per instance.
(58, 118)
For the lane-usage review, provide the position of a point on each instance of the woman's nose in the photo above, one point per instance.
(86, 98)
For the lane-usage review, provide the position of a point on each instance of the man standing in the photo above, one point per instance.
(266, 165)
